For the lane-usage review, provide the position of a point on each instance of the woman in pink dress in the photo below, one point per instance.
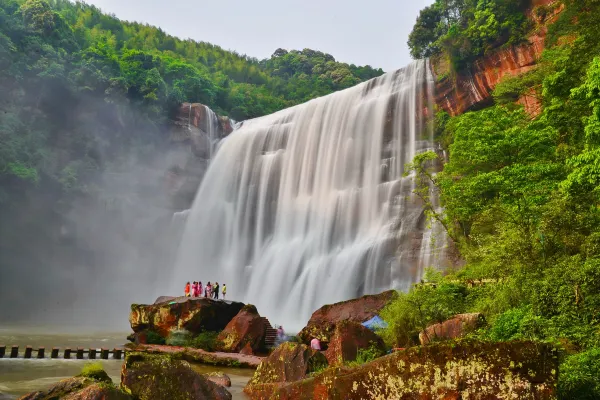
(200, 288)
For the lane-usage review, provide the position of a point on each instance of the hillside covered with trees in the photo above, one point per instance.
(520, 192)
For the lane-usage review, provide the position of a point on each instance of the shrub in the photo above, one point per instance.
(518, 323)
(205, 341)
(95, 371)
(179, 337)
(579, 377)
(154, 338)
(367, 355)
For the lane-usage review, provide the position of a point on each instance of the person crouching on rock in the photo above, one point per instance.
(315, 344)
(224, 292)
(187, 289)
(216, 291)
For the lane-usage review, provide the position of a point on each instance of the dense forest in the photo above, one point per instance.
(85, 108)
(520, 192)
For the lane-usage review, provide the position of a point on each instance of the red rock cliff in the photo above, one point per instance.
(473, 88)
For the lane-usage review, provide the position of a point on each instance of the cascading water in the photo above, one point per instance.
(309, 206)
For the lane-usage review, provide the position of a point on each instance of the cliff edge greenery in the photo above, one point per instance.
(521, 202)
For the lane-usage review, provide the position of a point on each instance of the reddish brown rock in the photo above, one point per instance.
(192, 314)
(454, 328)
(347, 339)
(473, 87)
(465, 370)
(246, 329)
(152, 377)
(219, 378)
(98, 392)
(322, 323)
(247, 350)
(197, 125)
(81, 388)
(288, 363)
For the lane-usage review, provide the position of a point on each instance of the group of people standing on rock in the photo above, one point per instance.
(210, 291)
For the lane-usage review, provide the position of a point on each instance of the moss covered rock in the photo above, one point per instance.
(192, 314)
(288, 363)
(152, 377)
(465, 370)
(323, 321)
(246, 329)
(347, 339)
(98, 387)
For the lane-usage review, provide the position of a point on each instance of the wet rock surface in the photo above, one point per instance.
(152, 377)
(219, 378)
(347, 339)
(192, 314)
(454, 328)
(323, 321)
(246, 331)
(464, 370)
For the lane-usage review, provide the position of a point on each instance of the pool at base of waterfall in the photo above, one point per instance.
(20, 376)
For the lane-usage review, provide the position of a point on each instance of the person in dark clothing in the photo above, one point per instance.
(216, 290)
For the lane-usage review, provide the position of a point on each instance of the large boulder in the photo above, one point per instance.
(288, 363)
(322, 323)
(152, 377)
(96, 387)
(192, 314)
(464, 370)
(348, 338)
(246, 331)
(454, 328)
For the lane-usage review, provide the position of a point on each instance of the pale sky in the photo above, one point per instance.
(370, 32)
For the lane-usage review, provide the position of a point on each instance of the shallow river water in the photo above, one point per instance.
(19, 376)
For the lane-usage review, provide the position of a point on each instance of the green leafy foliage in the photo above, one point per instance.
(205, 340)
(578, 378)
(367, 355)
(466, 29)
(154, 338)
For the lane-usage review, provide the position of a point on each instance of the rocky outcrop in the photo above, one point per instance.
(151, 377)
(464, 370)
(290, 362)
(219, 378)
(347, 339)
(81, 388)
(323, 321)
(472, 88)
(192, 314)
(199, 126)
(454, 328)
(200, 356)
(246, 331)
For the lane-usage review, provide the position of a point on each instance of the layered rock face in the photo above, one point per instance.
(197, 126)
(192, 314)
(473, 88)
(246, 330)
(464, 370)
(323, 321)
(152, 377)
(454, 328)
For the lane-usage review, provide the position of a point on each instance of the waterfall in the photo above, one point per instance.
(310, 205)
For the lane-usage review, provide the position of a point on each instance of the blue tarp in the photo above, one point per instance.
(375, 323)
